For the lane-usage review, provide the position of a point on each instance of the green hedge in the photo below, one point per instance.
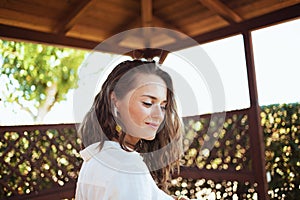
(37, 158)
(281, 127)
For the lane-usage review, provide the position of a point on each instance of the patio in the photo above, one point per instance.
(84, 24)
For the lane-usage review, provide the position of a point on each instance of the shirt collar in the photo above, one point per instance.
(93, 149)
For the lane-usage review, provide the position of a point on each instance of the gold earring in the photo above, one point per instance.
(118, 128)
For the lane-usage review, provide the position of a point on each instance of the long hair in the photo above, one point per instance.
(99, 124)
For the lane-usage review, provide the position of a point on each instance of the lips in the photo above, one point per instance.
(153, 125)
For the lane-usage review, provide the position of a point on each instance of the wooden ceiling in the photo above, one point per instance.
(86, 23)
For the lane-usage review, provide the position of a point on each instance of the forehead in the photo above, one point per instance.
(148, 79)
(150, 85)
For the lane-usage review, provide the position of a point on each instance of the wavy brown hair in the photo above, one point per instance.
(161, 154)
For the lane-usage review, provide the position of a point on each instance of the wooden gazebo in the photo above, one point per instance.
(86, 23)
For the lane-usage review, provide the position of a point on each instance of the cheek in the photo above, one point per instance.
(138, 113)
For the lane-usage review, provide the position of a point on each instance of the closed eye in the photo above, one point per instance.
(147, 104)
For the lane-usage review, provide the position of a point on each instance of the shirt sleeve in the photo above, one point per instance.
(135, 187)
(89, 192)
(129, 186)
(162, 195)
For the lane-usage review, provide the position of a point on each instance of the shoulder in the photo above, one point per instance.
(115, 158)
(111, 160)
(119, 174)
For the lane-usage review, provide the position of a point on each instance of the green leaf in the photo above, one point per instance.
(40, 67)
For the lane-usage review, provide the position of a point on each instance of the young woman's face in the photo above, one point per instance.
(142, 110)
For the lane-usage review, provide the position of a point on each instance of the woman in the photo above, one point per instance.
(132, 136)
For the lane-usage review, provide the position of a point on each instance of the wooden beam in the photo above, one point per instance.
(70, 19)
(136, 23)
(132, 23)
(66, 191)
(257, 147)
(158, 22)
(146, 16)
(216, 175)
(148, 53)
(146, 13)
(129, 24)
(221, 9)
(279, 16)
(21, 34)
(273, 18)
(163, 57)
(13, 33)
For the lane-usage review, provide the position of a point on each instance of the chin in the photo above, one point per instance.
(150, 138)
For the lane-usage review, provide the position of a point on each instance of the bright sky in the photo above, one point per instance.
(277, 61)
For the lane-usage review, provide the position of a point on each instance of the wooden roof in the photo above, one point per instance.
(86, 23)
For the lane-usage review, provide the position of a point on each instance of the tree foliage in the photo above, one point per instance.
(37, 76)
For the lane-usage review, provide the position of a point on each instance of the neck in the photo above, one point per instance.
(130, 141)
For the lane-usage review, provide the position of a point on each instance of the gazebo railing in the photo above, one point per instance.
(42, 161)
(37, 159)
(218, 160)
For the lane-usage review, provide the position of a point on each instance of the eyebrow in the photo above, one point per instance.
(152, 97)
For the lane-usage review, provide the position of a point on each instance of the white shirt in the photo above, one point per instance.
(115, 174)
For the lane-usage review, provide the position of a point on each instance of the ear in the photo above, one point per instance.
(114, 99)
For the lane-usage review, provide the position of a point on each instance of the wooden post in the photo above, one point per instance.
(257, 146)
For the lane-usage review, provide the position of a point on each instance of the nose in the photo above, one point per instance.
(157, 112)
